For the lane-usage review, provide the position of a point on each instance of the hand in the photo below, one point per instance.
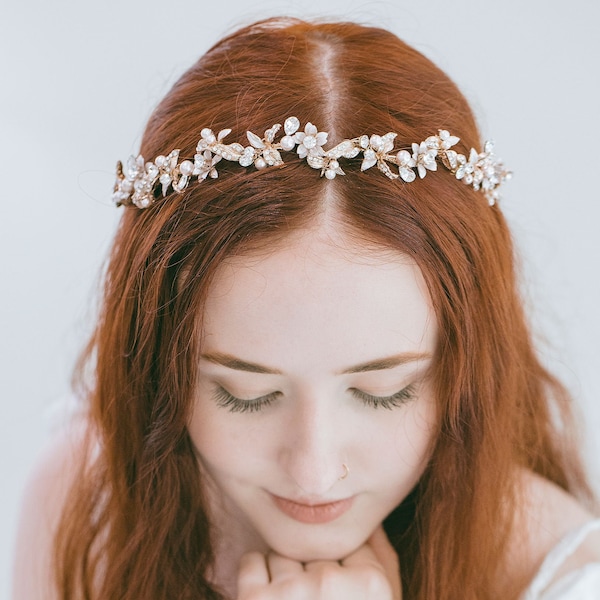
(370, 573)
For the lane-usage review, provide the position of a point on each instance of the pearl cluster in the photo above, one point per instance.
(138, 183)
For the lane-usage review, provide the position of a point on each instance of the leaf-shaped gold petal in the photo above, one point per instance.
(254, 140)
(385, 169)
(223, 133)
(346, 149)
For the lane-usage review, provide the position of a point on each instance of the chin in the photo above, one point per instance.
(307, 550)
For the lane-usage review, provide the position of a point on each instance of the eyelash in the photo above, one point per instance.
(237, 405)
(388, 402)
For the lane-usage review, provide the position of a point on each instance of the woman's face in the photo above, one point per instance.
(314, 415)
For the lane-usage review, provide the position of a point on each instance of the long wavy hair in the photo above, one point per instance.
(136, 524)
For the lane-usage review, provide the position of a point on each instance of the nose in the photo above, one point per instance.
(312, 453)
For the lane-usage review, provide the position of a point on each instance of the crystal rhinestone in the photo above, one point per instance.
(172, 159)
(451, 158)
(385, 169)
(133, 166)
(181, 184)
(316, 162)
(272, 132)
(347, 149)
(291, 125)
(144, 202)
(247, 157)
(364, 141)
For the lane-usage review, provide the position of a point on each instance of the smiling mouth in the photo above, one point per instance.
(312, 513)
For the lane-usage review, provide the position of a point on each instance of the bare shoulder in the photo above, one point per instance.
(41, 508)
(546, 515)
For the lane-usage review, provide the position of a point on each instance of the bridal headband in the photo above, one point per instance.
(140, 183)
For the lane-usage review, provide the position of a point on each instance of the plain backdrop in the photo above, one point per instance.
(78, 80)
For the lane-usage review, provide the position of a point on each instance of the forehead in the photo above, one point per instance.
(318, 297)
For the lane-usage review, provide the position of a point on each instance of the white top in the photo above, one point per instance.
(581, 584)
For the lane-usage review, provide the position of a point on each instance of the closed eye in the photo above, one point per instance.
(388, 402)
(238, 405)
(233, 404)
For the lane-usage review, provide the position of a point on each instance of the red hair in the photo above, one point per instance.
(136, 525)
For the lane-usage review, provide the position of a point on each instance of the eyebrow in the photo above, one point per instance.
(379, 364)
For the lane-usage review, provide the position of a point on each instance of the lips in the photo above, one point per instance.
(312, 513)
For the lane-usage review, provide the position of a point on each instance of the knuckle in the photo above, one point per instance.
(328, 581)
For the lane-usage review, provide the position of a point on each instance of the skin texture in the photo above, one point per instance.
(312, 311)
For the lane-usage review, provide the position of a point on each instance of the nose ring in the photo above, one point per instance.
(346, 471)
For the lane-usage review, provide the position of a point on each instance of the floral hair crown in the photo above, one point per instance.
(140, 182)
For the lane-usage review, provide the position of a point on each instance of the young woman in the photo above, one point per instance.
(312, 377)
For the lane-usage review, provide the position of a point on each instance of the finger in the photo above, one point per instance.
(320, 565)
(282, 568)
(252, 574)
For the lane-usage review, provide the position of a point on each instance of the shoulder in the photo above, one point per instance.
(41, 507)
(546, 516)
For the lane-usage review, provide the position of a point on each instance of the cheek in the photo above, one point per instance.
(226, 445)
(212, 438)
(408, 440)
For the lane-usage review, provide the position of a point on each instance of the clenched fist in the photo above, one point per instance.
(371, 572)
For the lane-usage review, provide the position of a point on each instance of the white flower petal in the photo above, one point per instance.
(322, 138)
(367, 163)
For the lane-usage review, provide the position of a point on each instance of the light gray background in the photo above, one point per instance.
(78, 80)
